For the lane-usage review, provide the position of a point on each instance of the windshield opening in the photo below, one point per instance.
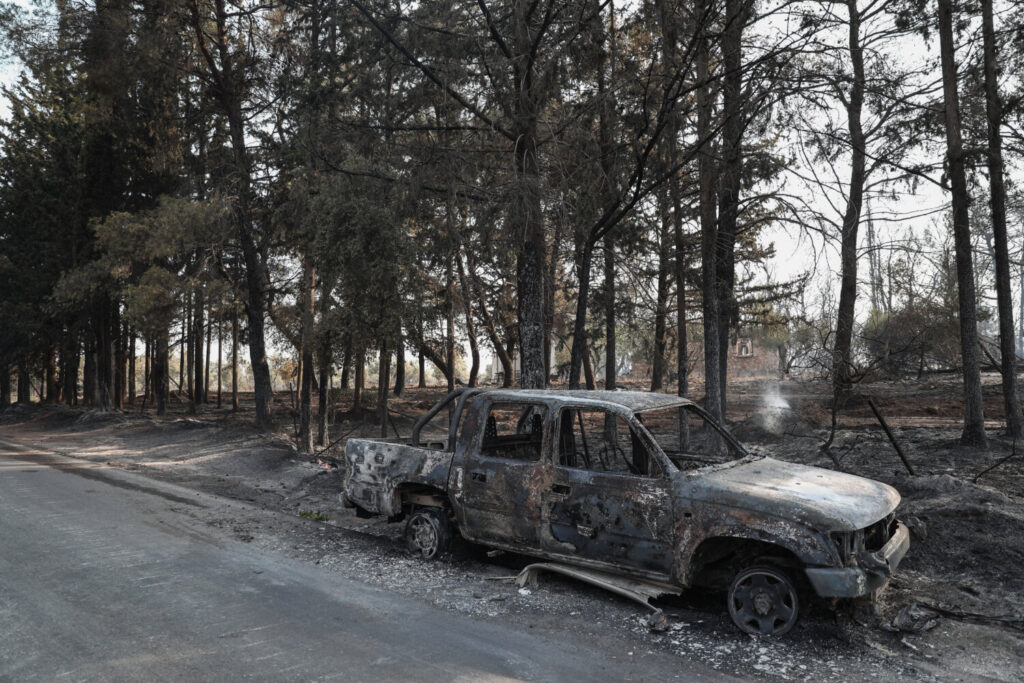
(687, 437)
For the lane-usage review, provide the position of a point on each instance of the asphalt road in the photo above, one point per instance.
(105, 576)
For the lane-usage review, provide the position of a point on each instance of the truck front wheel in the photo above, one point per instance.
(428, 533)
(763, 601)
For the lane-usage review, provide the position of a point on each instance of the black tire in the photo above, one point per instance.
(763, 601)
(428, 533)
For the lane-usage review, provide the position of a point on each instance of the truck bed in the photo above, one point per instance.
(376, 468)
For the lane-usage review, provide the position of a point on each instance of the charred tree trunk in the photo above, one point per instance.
(305, 403)
(324, 400)
(502, 354)
(449, 344)
(610, 361)
(579, 332)
(974, 418)
(422, 383)
(117, 336)
(5, 386)
(400, 365)
(24, 385)
(383, 378)
(189, 330)
(729, 190)
(661, 303)
(467, 306)
(997, 186)
(841, 361)
(209, 344)
(346, 363)
(220, 356)
(227, 79)
(131, 366)
(161, 379)
(71, 377)
(198, 332)
(89, 370)
(357, 391)
(526, 216)
(708, 223)
(234, 361)
(50, 372)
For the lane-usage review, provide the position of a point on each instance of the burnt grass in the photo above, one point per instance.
(967, 550)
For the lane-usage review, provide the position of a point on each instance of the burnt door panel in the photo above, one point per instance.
(609, 517)
(494, 478)
(497, 504)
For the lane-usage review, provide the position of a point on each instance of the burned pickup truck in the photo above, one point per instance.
(637, 485)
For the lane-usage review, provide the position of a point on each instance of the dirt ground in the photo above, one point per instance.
(966, 557)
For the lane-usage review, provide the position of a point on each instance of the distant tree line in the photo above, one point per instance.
(382, 179)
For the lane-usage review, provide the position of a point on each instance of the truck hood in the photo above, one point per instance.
(817, 498)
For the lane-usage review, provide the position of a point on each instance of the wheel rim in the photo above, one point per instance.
(423, 536)
(763, 603)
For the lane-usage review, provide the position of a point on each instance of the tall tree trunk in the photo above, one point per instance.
(994, 110)
(161, 379)
(324, 402)
(467, 305)
(610, 360)
(105, 356)
(502, 354)
(227, 79)
(841, 360)
(579, 332)
(220, 355)
(147, 377)
(731, 174)
(209, 345)
(305, 404)
(182, 346)
(346, 363)
(974, 418)
(658, 363)
(24, 384)
(89, 369)
(357, 389)
(588, 369)
(449, 358)
(5, 386)
(606, 114)
(72, 351)
(50, 371)
(422, 382)
(706, 183)
(400, 364)
(526, 217)
(383, 378)
(234, 361)
(190, 350)
(198, 333)
(131, 366)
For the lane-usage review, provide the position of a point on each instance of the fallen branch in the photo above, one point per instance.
(1013, 452)
(892, 439)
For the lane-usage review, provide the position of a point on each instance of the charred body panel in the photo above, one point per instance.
(378, 471)
(667, 524)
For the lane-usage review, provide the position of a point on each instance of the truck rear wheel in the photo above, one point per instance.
(428, 533)
(763, 601)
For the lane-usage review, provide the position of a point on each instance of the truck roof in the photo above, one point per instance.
(636, 401)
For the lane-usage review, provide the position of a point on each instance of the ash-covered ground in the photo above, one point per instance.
(966, 557)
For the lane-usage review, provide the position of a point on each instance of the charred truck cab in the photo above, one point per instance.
(639, 485)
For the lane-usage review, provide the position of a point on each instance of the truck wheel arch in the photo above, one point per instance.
(748, 544)
(409, 496)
